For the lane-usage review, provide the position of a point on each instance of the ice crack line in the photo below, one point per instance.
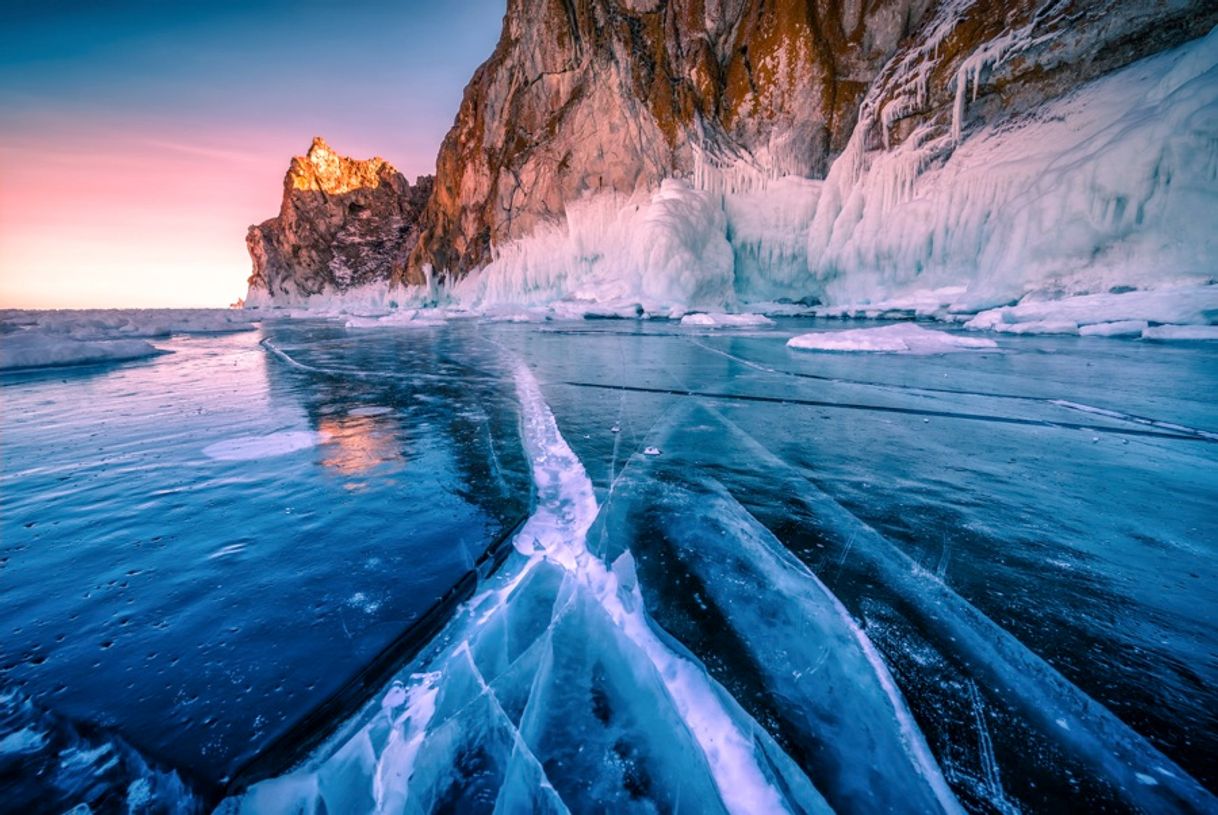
(1172, 428)
(557, 531)
(908, 411)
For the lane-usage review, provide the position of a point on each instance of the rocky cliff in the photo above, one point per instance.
(585, 95)
(589, 97)
(343, 223)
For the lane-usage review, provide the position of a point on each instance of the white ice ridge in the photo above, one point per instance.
(558, 531)
(553, 663)
(38, 349)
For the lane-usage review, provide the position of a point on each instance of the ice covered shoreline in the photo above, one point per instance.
(41, 339)
(1174, 314)
(1092, 215)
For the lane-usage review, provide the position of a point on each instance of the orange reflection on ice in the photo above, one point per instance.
(359, 444)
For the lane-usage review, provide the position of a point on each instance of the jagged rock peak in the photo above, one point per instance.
(342, 223)
(321, 168)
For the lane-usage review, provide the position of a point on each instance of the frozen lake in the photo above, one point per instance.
(749, 577)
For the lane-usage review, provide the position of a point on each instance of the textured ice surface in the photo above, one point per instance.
(589, 709)
(900, 338)
(858, 583)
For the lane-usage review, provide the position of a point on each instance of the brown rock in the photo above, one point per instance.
(583, 95)
(343, 223)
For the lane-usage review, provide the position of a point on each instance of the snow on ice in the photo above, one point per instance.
(252, 448)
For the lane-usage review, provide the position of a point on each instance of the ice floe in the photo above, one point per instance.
(35, 339)
(720, 320)
(40, 349)
(899, 338)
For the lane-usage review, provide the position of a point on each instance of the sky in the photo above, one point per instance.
(139, 140)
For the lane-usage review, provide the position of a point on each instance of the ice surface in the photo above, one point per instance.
(901, 338)
(584, 705)
(1001, 609)
(811, 654)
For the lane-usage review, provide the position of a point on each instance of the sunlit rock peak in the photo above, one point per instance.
(342, 223)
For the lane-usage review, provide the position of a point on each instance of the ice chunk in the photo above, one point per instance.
(1186, 305)
(901, 338)
(1119, 328)
(720, 320)
(409, 317)
(250, 448)
(1181, 332)
(39, 349)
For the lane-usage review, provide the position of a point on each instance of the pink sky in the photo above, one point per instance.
(137, 215)
(139, 141)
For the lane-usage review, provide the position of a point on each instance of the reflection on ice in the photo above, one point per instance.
(358, 444)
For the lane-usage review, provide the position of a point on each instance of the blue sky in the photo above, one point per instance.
(140, 139)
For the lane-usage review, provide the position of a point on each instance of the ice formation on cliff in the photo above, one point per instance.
(1109, 194)
(1112, 186)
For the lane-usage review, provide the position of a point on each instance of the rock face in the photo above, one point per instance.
(343, 223)
(589, 95)
(583, 96)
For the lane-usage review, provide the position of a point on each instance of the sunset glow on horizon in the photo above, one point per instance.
(139, 144)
